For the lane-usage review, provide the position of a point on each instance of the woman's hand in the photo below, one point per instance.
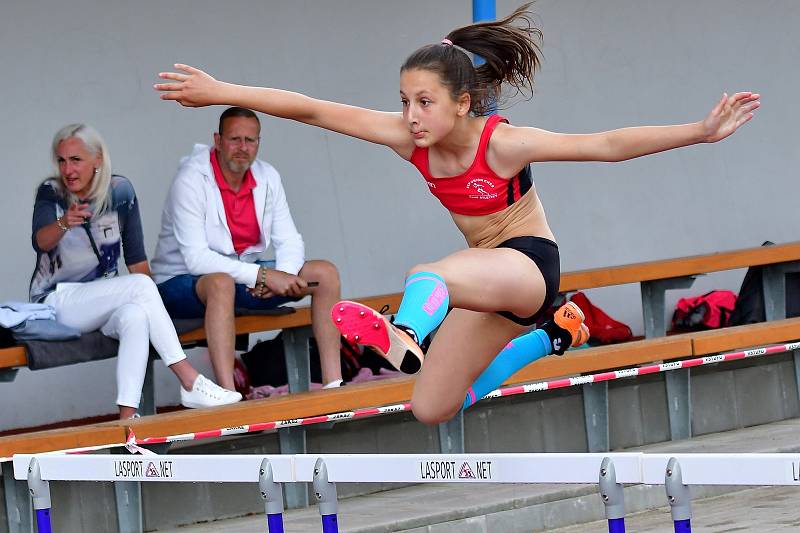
(193, 87)
(729, 113)
(76, 215)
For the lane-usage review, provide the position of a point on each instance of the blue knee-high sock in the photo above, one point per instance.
(517, 353)
(424, 304)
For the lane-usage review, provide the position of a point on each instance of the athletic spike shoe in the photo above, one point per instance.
(360, 324)
(570, 317)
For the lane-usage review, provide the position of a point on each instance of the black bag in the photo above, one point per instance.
(750, 305)
(6, 338)
(266, 363)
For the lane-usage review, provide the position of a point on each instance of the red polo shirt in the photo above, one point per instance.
(240, 208)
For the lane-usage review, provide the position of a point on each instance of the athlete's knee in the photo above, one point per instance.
(433, 412)
(424, 267)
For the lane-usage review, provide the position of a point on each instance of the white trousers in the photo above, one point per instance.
(126, 308)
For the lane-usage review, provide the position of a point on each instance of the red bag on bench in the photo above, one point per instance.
(709, 311)
(602, 328)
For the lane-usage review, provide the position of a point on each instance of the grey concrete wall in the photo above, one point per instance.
(607, 64)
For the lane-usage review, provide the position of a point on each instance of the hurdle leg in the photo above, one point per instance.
(679, 497)
(325, 491)
(40, 494)
(272, 493)
(613, 497)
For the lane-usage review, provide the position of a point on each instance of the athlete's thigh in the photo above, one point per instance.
(465, 344)
(497, 279)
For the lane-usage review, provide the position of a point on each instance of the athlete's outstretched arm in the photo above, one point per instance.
(192, 87)
(531, 144)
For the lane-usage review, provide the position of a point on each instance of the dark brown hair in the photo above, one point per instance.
(511, 49)
(232, 112)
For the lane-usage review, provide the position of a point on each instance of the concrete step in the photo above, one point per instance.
(765, 510)
(442, 508)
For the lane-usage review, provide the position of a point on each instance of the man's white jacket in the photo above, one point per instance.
(195, 237)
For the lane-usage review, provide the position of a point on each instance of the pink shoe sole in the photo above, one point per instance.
(360, 324)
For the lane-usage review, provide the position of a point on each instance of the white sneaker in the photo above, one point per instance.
(206, 393)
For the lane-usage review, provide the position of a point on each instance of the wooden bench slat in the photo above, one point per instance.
(13, 357)
(603, 358)
(62, 439)
(570, 281)
(302, 317)
(302, 405)
(682, 266)
(726, 339)
(297, 405)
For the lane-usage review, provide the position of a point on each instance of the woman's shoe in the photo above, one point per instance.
(206, 393)
(570, 317)
(360, 324)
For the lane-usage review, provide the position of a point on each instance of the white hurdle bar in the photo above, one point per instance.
(610, 470)
(767, 469)
(159, 468)
(269, 471)
(469, 468)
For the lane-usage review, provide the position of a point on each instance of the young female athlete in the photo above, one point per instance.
(478, 167)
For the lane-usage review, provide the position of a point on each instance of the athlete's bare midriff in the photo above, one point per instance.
(524, 218)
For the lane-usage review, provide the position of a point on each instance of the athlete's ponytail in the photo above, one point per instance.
(510, 48)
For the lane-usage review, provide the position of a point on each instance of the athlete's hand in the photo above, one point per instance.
(729, 113)
(191, 88)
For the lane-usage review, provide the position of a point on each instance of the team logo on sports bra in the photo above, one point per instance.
(481, 186)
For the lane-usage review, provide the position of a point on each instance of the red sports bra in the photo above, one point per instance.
(478, 191)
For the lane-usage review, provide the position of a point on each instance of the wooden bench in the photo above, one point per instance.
(738, 337)
(655, 278)
(297, 327)
(63, 439)
(398, 390)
